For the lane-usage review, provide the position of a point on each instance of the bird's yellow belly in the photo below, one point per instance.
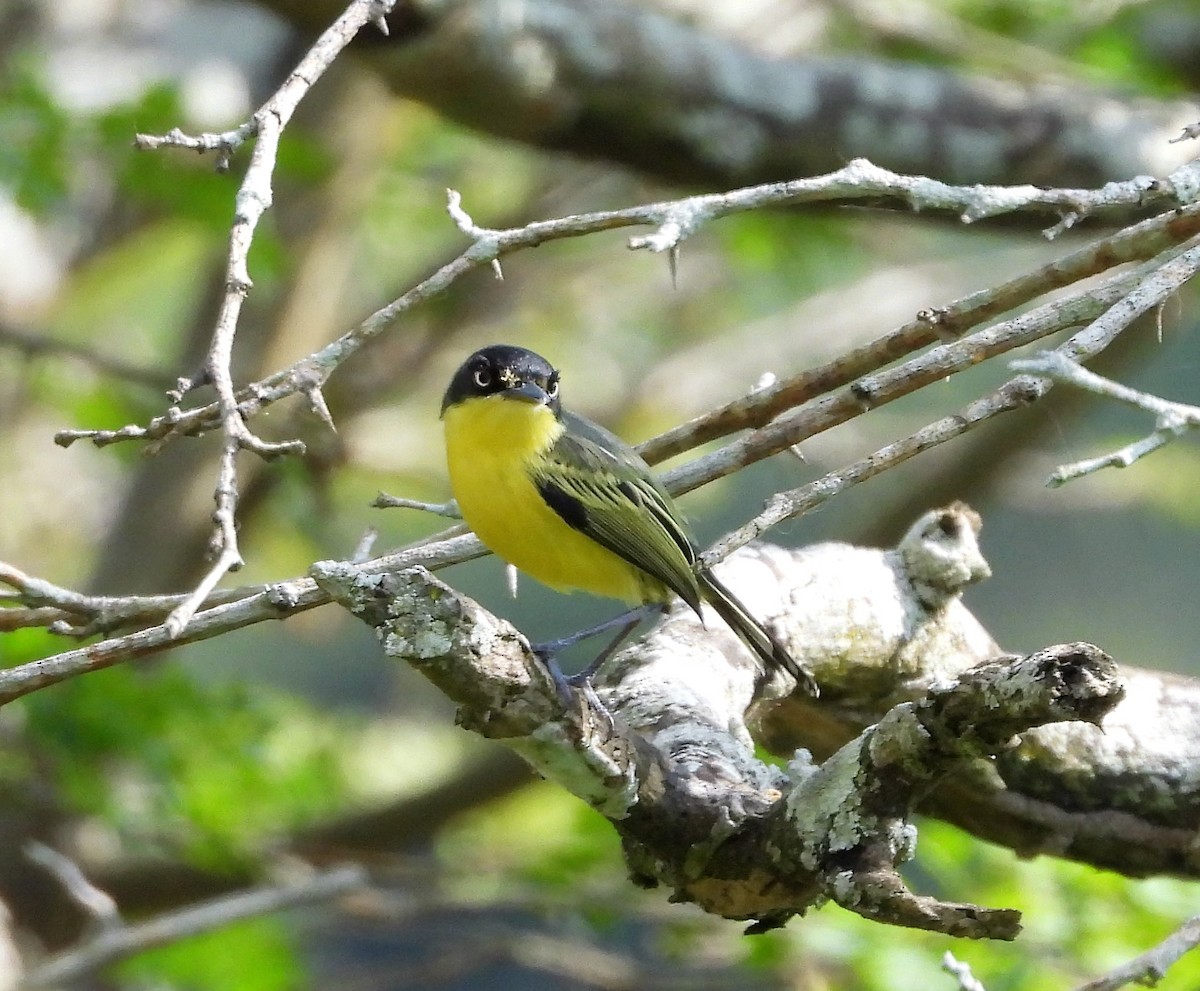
(489, 444)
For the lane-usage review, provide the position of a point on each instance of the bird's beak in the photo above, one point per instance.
(528, 392)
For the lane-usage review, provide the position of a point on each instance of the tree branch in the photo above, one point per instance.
(1173, 420)
(1151, 967)
(855, 182)
(1139, 242)
(123, 941)
(275, 601)
(712, 113)
(674, 221)
(252, 201)
(678, 776)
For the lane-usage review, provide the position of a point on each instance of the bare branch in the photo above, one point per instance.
(781, 434)
(1120, 301)
(224, 143)
(1173, 419)
(858, 181)
(253, 198)
(275, 601)
(673, 221)
(868, 392)
(1138, 242)
(96, 903)
(121, 942)
(1016, 394)
(74, 614)
(1152, 966)
(678, 776)
(448, 509)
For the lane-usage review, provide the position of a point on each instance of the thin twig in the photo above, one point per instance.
(253, 199)
(1015, 394)
(782, 434)
(1173, 419)
(122, 942)
(1137, 242)
(870, 391)
(448, 509)
(1122, 457)
(1061, 368)
(275, 601)
(286, 597)
(1148, 295)
(673, 221)
(75, 614)
(98, 904)
(858, 181)
(1151, 966)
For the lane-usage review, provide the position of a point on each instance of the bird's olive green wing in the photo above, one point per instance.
(601, 487)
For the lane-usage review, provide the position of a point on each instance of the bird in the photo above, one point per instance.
(571, 504)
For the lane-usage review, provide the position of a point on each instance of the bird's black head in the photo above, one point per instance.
(507, 371)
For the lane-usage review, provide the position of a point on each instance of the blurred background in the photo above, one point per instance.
(225, 762)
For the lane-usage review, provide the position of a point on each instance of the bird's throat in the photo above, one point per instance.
(491, 434)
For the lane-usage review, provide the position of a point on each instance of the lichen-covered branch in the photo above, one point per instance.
(676, 770)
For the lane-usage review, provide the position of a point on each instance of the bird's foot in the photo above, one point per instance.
(566, 686)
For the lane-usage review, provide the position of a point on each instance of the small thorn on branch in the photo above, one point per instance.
(379, 17)
(316, 400)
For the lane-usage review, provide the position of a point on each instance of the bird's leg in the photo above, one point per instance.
(625, 623)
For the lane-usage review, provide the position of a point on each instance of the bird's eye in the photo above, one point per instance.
(552, 387)
(482, 377)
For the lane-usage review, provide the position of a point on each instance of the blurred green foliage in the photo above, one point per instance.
(35, 134)
(256, 955)
(168, 764)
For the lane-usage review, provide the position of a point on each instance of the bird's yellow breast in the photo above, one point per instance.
(491, 444)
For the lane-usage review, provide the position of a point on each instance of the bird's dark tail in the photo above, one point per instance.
(753, 633)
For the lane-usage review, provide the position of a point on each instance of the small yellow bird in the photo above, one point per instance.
(569, 503)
